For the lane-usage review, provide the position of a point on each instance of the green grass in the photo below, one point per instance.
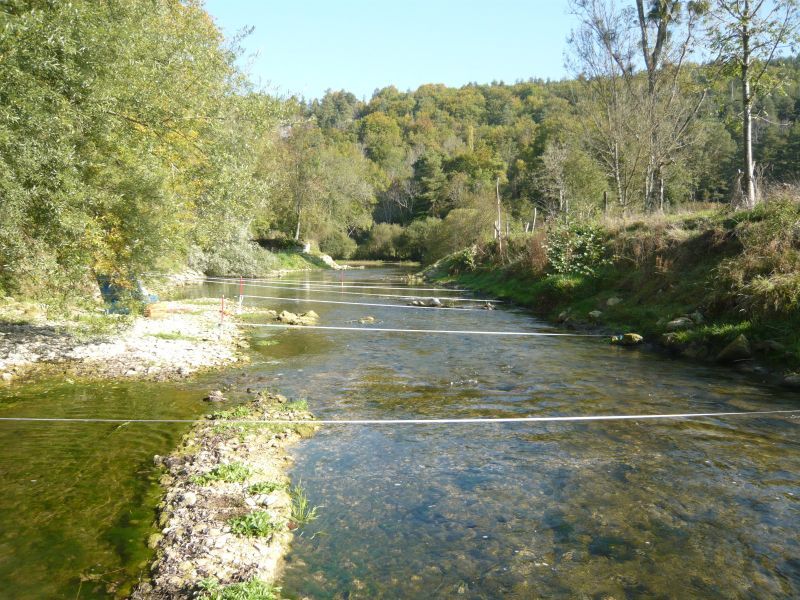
(230, 473)
(302, 511)
(237, 412)
(295, 405)
(254, 589)
(740, 270)
(265, 487)
(258, 523)
(298, 261)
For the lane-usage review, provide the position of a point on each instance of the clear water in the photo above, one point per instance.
(672, 509)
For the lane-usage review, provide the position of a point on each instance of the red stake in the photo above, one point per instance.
(222, 309)
(241, 286)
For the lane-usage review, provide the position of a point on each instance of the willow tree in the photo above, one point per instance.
(747, 36)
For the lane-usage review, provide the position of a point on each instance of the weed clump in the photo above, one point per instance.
(253, 589)
(255, 524)
(230, 473)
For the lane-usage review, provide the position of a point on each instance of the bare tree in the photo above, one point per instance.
(616, 48)
(747, 35)
(603, 53)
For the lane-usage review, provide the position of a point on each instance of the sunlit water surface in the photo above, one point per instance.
(631, 509)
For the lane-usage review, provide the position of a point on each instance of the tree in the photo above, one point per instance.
(639, 124)
(747, 36)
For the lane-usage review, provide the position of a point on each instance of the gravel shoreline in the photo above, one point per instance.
(225, 472)
(176, 341)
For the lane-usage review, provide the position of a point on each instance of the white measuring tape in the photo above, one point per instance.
(301, 289)
(466, 421)
(297, 282)
(459, 309)
(446, 331)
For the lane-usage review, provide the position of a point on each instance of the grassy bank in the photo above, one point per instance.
(694, 282)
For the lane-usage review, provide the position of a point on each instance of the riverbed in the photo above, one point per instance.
(635, 509)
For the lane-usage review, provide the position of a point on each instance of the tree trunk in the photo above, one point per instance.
(748, 183)
(297, 229)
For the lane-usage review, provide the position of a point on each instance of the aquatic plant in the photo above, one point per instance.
(258, 523)
(254, 589)
(302, 512)
(230, 473)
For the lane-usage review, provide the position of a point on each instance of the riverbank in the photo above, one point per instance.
(172, 340)
(715, 286)
(229, 510)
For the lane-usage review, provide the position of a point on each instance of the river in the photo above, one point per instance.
(632, 509)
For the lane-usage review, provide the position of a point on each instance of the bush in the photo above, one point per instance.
(338, 244)
(385, 242)
(576, 249)
(418, 237)
(233, 258)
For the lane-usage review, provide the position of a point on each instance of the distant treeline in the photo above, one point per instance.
(131, 142)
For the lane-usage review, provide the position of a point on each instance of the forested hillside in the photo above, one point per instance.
(436, 154)
(131, 142)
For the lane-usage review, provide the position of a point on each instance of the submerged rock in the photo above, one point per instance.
(429, 302)
(792, 381)
(697, 317)
(769, 346)
(627, 339)
(738, 349)
(595, 314)
(680, 324)
(367, 320)
(613, 301)
(290, 318)
(215, 396)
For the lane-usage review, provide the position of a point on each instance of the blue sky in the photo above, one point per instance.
(306, 47)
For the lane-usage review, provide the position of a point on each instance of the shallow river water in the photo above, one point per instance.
(707, 508)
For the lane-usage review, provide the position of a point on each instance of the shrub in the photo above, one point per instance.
(338, 244)
(418, 237)
(576, 249)
(464, 261)
(384, 242)
(233, 258)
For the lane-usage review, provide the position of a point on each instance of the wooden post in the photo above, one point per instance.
(499, 218)
(605, 202)
(535, 212)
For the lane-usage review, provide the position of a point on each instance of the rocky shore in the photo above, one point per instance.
(174, 340)
(229, 511)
